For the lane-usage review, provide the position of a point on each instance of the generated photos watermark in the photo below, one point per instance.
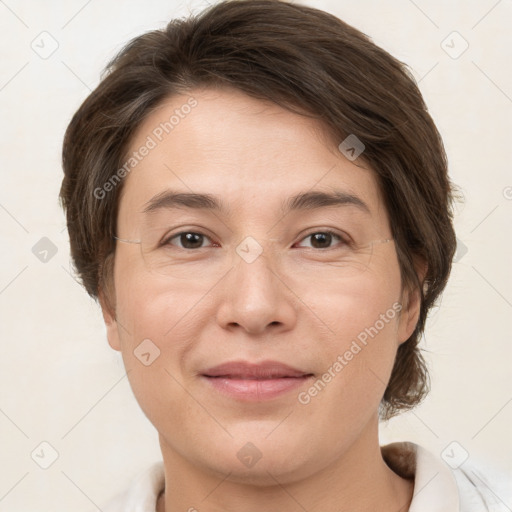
(355, 348)
(151, 142)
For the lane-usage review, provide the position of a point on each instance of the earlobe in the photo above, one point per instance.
(110, 321)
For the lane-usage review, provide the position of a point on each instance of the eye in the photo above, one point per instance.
(188, 240)
(323, 239)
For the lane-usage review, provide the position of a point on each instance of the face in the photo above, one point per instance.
(257, 320)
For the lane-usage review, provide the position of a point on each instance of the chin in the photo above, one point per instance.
(264, 473)
(264, 464)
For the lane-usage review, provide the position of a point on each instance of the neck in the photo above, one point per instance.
(359, 480)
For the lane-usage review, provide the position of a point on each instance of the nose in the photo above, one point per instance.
(255, 298)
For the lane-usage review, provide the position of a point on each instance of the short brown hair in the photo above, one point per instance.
(304, 60)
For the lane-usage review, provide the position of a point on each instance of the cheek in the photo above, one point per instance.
(156, 325)
(148, 306)
(359, 351)
(352, 307)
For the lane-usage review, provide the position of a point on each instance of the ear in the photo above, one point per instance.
(411, 305)
(110, 321)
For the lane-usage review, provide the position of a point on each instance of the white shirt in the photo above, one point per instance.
(437, 486)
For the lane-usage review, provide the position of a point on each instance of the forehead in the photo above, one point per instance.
(250, 154)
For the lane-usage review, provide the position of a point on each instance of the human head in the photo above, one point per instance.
(305, 61)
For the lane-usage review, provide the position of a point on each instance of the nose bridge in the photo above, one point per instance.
(254, 296)
(254, 265)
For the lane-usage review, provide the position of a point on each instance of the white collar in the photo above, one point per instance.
(435, 487)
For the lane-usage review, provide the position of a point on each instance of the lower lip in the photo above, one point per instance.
(255, 390)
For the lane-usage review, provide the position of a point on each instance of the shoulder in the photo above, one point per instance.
(142, 494)
(446, 484)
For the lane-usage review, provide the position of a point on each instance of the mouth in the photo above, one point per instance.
(246, 381)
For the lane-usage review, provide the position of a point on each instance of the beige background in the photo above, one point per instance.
(61, 383)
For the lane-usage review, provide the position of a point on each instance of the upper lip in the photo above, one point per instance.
(247, 370)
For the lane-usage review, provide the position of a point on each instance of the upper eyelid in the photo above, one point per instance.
(343, 239)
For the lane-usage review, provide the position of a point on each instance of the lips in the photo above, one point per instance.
(250, 371)
(250, 382)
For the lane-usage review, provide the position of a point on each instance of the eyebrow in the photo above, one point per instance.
(317, 199)
(170, 199)
(310, 200)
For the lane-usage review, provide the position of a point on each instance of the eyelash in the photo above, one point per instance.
(341, 238)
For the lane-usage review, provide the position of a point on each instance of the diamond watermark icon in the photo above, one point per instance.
(44, 455)
(146, 352)
(249, 455)
(44, 250)
(454, 45)
(461, 251)
(45, 45)
(249, 249)
(351, 147)
(454, 455)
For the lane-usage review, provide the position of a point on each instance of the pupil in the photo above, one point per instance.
(322, 238)
(191, 240)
